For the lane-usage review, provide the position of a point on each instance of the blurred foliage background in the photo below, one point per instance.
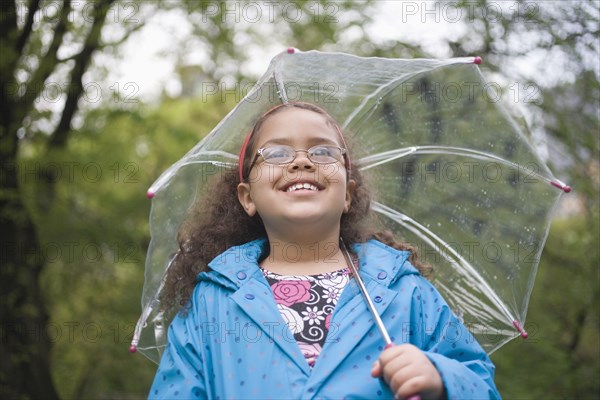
(79, 151)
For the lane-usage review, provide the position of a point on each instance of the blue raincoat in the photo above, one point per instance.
(232, 342)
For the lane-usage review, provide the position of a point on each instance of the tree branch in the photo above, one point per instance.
(48, 64)
(111, 44)
(124, 38)
(34, 5)
(82, 59)
(8, 32)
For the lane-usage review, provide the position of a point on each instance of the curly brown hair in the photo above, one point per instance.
(217, 222)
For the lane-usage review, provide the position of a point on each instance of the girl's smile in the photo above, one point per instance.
(295, 187)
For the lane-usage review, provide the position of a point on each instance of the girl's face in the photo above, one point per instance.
(275, 192)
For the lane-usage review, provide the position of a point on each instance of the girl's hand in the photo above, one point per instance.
(408, 372)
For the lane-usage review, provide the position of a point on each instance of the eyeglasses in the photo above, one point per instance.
(282, 154)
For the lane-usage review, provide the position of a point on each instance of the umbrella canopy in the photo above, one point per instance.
(451, 170)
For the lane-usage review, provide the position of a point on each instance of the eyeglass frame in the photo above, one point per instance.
(343, 154)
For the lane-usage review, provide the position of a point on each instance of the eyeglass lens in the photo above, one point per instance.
(286, 154)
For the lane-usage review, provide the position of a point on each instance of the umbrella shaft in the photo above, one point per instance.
(365, 294)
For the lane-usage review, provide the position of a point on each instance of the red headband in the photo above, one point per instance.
(242, 155)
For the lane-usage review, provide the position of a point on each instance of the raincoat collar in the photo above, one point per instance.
(376, 261)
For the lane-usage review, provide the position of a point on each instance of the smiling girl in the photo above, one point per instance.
(269, 308)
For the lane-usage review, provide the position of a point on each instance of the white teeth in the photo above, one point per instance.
(298, 186)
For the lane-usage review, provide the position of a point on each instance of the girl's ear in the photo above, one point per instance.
(349, 192)
(245, 199)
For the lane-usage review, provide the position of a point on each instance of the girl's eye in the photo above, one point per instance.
(274, 153)
(325, 154)
(321, 151)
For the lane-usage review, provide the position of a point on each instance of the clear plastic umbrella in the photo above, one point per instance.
(451, 169)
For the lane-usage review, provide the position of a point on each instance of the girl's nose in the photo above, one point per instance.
(302, 161)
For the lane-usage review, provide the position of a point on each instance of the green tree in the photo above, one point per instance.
(35, 42)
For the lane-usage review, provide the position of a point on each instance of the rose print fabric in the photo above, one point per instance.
(306, 303)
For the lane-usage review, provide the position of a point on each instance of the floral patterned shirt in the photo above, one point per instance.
(306, 303)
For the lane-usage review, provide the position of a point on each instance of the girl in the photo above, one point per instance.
(271, 310)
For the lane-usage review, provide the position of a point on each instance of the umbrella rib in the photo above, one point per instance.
(165, 176)
(216, 163)
(387, 156)
(478, 328)
(146, 311)
(280, 85)
(469, 299)
(431, 238)
(219, 153)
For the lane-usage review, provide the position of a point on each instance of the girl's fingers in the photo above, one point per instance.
(398, 378)
(409, 387)
(392, 352)
(396, 360)
(376, 369)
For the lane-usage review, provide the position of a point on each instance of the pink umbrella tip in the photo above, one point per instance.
(477, 60)
(520, 329)
(132, 348)
(561, 186)
(291, 50)
(149, 194)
